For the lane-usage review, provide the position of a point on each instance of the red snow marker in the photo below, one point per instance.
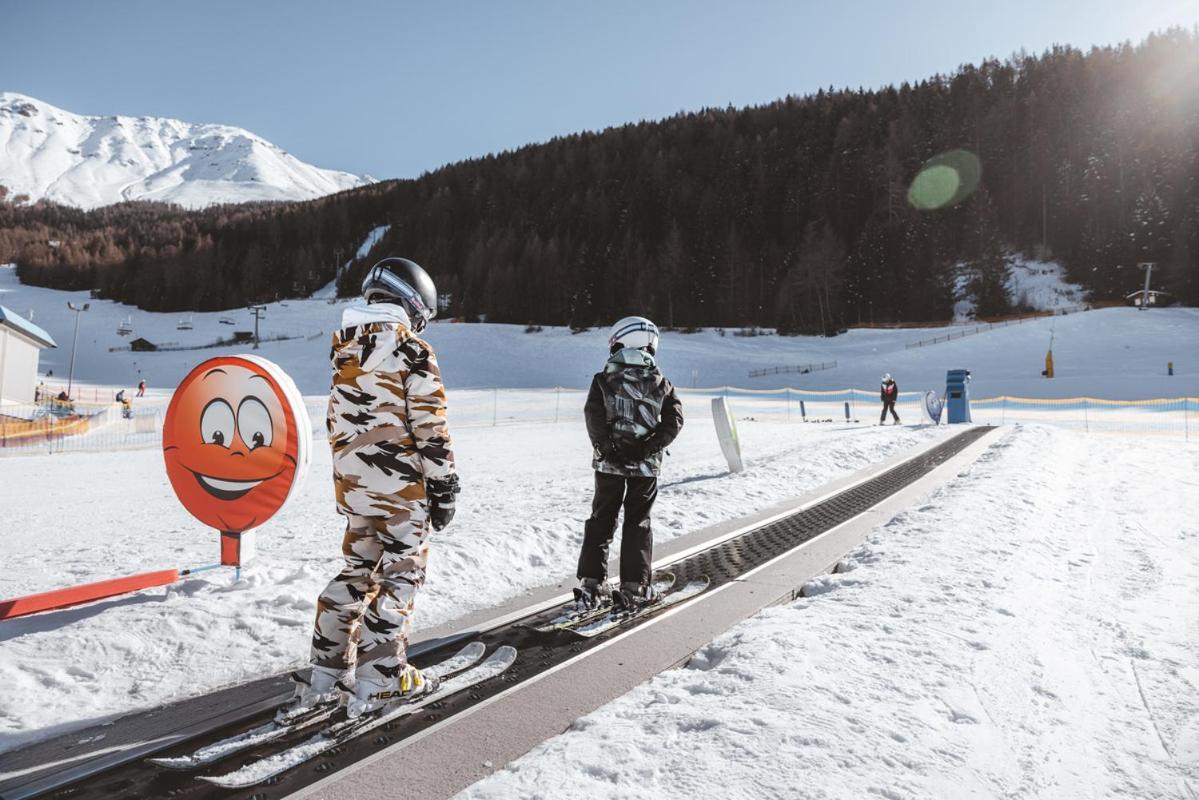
(74, 595)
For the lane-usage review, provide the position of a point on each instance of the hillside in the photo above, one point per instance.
(81, 161)
(1117, 353)
(808, 214)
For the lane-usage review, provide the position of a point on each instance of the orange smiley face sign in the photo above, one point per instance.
(237, 441)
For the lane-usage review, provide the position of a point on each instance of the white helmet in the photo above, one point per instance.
(635, 332)
(887, 377)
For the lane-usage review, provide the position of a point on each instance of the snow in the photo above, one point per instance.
(328, 292)
(94, 161)
(1027, 631)
(1033, 284)
(519, 525)
(1042, 285)
(372, 239)
(1118, 353)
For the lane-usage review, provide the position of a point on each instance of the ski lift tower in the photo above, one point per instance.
(74, 341)
(1148, 267)
(257, 311)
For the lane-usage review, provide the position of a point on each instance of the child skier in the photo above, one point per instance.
(393, 477)
(889, 393)
(632, 415)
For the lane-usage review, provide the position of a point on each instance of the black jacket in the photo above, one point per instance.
(642, 439)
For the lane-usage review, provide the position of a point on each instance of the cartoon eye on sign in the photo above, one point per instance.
(237, 443)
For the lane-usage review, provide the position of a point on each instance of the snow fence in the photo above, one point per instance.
(102, 427)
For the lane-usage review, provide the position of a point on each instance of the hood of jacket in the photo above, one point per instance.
(631, 359)
(386, 313)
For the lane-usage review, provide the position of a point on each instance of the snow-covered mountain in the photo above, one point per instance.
(46, 152)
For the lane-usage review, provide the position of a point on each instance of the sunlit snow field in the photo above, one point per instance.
(526, 492)
(1027, 630)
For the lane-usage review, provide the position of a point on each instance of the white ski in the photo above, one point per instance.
(342, 731)
(572, 618)
(617, 618)
(270, 731)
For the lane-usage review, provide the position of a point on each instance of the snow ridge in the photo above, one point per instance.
(46, 152)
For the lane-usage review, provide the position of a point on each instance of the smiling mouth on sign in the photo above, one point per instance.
(225, 489)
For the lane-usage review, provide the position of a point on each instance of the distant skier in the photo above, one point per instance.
(889, 394)
(126, 404)
(393, 477)
(141, 388)
(632, 414)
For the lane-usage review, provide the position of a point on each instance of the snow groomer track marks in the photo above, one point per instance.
(538, 653)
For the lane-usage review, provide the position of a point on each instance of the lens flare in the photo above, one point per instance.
(945, 180)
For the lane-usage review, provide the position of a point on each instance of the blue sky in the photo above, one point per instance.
(395, 89)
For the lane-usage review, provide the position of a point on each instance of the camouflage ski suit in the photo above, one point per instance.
(387, 427)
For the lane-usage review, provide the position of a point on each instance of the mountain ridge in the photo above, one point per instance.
(92, 161)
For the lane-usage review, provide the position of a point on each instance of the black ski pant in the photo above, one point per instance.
(637, 495)
(888, 405)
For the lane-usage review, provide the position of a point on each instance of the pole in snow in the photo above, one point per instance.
(257, 311)
(74, 341)
(1148, 267)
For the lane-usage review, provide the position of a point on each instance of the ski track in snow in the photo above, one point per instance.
(1029, 630)
(526, 493)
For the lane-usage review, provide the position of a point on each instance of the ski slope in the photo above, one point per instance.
(1118, 353)
(526, 492)
(1028, 631)
(1031, 284)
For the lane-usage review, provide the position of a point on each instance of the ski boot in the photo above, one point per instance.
(592, 594)
(632, 596)
(375, 691)
(322, 687)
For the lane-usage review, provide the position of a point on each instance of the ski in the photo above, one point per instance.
(571, 617)
(615, 619)
(467, 657)
(343, 730)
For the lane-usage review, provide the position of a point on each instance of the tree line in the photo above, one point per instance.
(796, 214)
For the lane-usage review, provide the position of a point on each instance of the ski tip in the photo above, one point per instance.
(502, 658)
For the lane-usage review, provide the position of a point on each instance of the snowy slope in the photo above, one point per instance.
(93, 161)
(1031, 284)
(1028, 632)
(1118, 353)
(141, 650)
(1042, 285)
(328, 292)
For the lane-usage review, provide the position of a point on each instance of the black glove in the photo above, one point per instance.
(611, 450)
(440, 492)
(651, 444)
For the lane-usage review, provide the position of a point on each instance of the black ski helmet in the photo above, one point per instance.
(403, 281)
